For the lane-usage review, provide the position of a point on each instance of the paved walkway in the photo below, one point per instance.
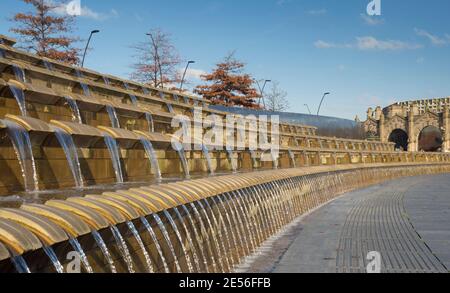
(407, 221)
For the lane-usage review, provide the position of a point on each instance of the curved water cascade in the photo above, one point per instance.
(153, 159)
(163, 230)
(21, 142)
(292, 158)
(66, 142)
(207, 156)
(113, 116)
(19, 73)
(76, 116)
(20, 264)
(156, 242)
(76, 245)
(230, 155)
(113, 149)
(141, 245)
(54, 259)
(102, 245)
(170, 108)
(123, 248)
(150, 121)
(106, 80)
(19, 95)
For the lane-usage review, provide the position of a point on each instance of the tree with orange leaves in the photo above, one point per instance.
(42, 32)
(229, 85)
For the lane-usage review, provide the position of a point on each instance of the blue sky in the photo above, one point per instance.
(309, 46)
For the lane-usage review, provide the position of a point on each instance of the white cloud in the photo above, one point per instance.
(86, 12)
(192, 73)
(435, 40)
(317, 12)
(368, 43)
(371, 20)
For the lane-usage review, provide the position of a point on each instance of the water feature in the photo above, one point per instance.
(85, 89)
(292, 157)
(2, 53)
(76, 245)
(113, 148)
(162, 95)
(214, 236)
(150, 151)
(186, 100)
(176, 98)
(180, 239)
(189, 238)
(238, 222)
(19, 95)
(53, 258)
(145, 91)
(68, 145)
(230, 154)
(204, 234)
(21, 142)
(76, 115)
(155, 241)
(230, 225)
(102, 245)
(106, 81)
(141, 245)
(151, 123)
(170, 108)
(133, 98)
(207, 156)
(113, 116)
(20, 264)
(184, 163)
(123, 248)
(19, 73)
(48, 65)
(163, 230)
(253, 156)
(78, 73)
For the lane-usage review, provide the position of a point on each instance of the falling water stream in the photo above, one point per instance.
(76, 116)
(205, 234)
(141, 245)
(189, 238)
(184, 162)
(19, 73)
(113, 116)
(206, 154)
(113, 148)
(102, 245)
(71, 152)
(20, 139)
(231, 159)
(156, 242)
(170, 108)
(76, 245)
(123, 248)
(19, 95)
(180, 239)
(53, 258)
(20, 264)
(48, 65)
(150, 151)
(169, 243)
(292, 157)
(150, 121)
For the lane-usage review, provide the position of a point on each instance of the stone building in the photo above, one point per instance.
(421, 125)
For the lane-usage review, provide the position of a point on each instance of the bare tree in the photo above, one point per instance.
(276, 98)
(157, 60)
(44, 33)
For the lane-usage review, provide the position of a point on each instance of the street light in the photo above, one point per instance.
(87, 45)
(261, 90)
(155, 47)
(320, 106)
(309, 110)
(184, 74)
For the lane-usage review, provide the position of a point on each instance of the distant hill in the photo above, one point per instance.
(327, 126)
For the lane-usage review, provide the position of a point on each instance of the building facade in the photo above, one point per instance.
(421, 125)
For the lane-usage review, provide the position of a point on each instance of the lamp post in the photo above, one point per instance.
(320, 106)
(155, 47)
(87, 45)
(261, 90)
(184, 74)
(309, 110)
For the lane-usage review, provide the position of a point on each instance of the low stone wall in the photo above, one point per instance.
(229, 218)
